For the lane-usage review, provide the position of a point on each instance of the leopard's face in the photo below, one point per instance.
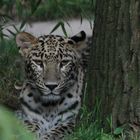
(52, 63)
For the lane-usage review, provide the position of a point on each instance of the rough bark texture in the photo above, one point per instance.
(115, 61)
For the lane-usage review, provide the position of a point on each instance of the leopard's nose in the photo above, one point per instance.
(51, 87)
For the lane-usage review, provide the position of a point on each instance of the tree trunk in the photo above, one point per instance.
(115, 61)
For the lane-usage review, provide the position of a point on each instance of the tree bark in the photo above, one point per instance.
(114, 75)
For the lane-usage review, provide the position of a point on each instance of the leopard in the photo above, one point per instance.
(51, 93)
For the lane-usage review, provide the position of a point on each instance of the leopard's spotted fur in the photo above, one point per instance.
(51, 94)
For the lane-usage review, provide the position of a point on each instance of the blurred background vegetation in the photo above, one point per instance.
(41, 10)
(11, 129)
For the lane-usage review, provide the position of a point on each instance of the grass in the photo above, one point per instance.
(88, 128)
(91, 127)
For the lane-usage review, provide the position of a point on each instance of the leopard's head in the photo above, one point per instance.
(53, 63)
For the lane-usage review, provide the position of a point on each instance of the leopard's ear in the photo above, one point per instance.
(25, 41)
(78, 40)
(80, 44)
(80, 37)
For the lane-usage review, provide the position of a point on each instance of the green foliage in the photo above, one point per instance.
(10, 72)
(62, 25)
(11, 129)
(18, 8)
(90, 127)
(46, 9)
(89, 131)
(62, 9)
(118, 131)
(13, 10)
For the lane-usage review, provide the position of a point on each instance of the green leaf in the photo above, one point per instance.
(22, 25)
(105, 137)
(70, 3)
(68, 24)
(118, 131)
(60, 23)
(35, 6)
(15, 28)
(5, 35)
(12, 33)
(81, 19)
(63, 29)
(55, 27)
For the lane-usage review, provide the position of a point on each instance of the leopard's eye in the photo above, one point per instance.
(64, 63)
(38, 62)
